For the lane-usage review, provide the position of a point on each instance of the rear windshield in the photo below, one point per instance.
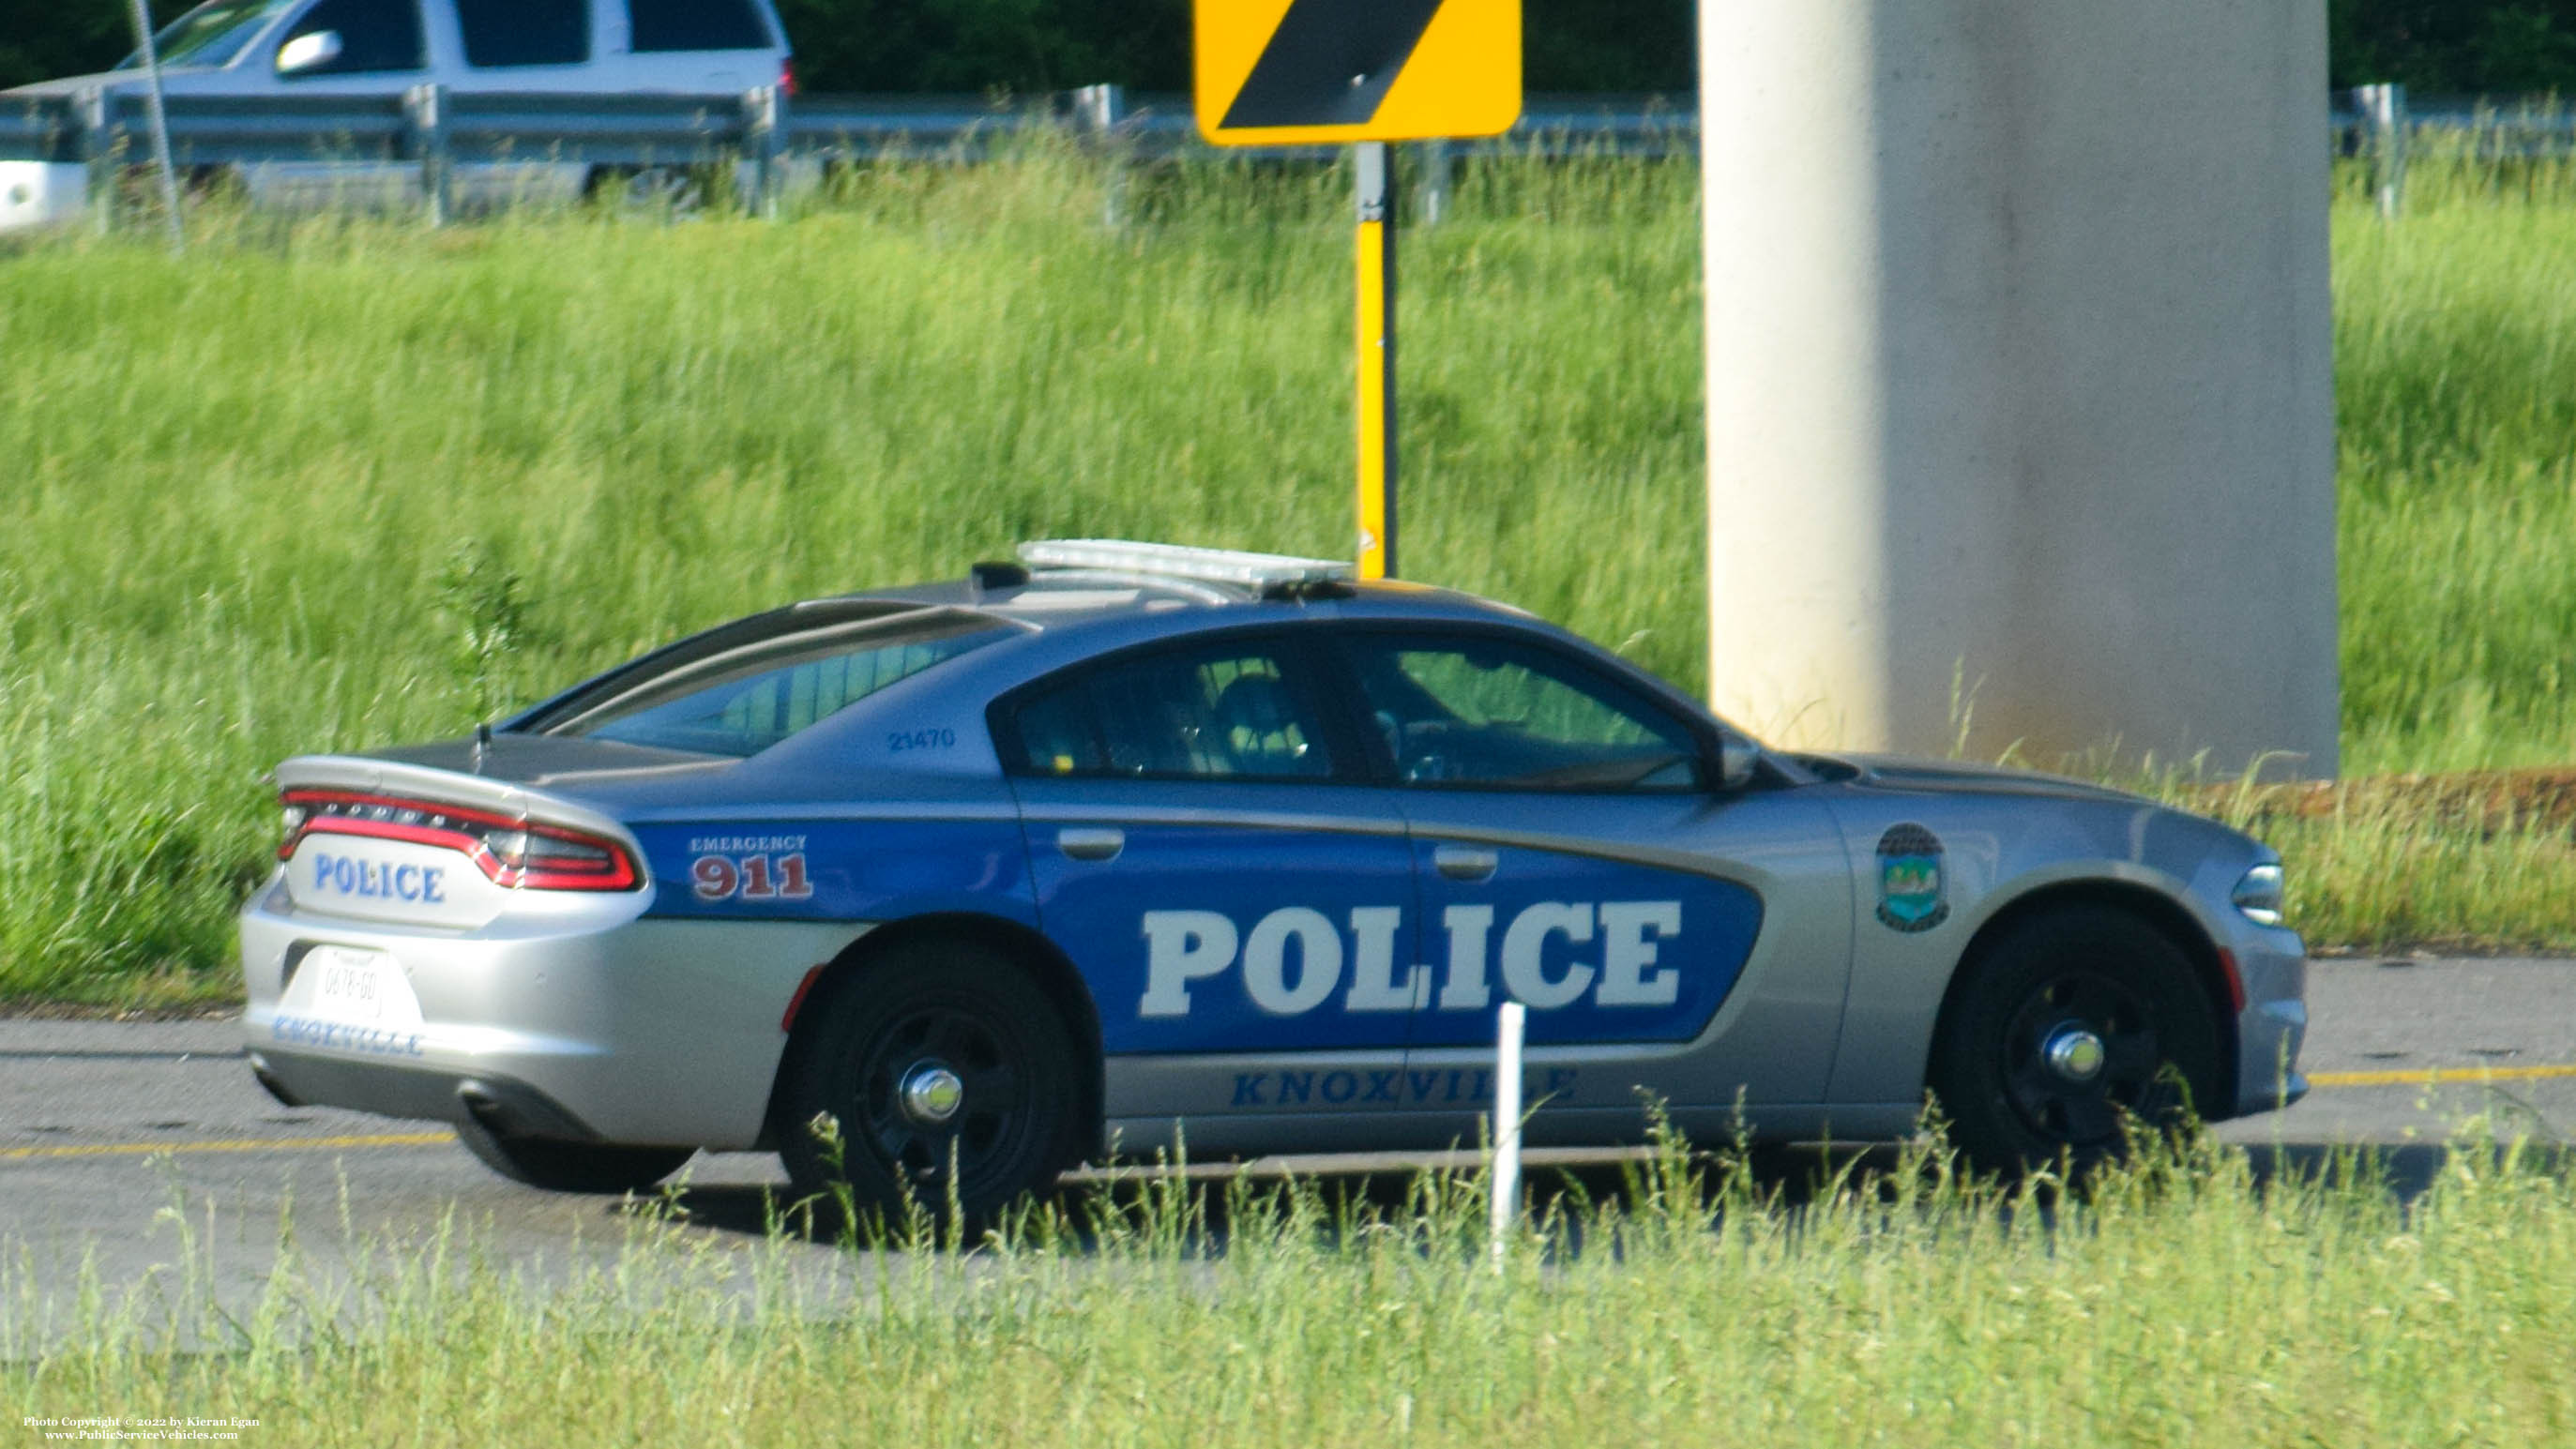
(744, 700)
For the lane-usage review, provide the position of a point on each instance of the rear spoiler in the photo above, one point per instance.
(366, 776)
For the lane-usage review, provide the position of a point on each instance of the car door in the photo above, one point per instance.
(531, 46)
(1208, 851)
(342, 47)
(1574, 852)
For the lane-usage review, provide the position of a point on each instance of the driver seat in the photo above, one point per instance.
(1261, 728)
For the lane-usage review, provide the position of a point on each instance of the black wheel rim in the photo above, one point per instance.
(2067, 1022)
(989, 1128)
(664, 187)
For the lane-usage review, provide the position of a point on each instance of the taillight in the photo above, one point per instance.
(518, 854)
(787, 77)
(546, 858)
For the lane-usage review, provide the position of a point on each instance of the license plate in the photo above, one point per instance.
(360, 986)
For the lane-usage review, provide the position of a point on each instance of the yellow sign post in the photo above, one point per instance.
(1375, 168)
(1312, 72)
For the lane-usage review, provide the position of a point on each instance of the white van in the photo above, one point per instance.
(384, 47)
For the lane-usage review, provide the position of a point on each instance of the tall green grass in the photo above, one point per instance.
(2456, 382)
(2179, 1302)
(233, 484)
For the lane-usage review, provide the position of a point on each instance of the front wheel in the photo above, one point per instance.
(939, 1072)
(2065, 1023)
(570, 1166)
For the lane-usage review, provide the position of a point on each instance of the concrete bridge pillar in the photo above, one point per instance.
(2020, 396)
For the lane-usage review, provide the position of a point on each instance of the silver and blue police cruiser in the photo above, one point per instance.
(1126, 845)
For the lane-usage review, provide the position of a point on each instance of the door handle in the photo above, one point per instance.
(1091, 843)
(1465, 862)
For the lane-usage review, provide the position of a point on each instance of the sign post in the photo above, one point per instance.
(1375, 168)
(142, 13)
(1311, 72)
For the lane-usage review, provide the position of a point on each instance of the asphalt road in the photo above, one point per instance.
(128, 1148)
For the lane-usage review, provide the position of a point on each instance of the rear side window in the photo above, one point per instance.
(744, 700)
(375, 35)
(1233, 712)
(524, 32)
(697, 25)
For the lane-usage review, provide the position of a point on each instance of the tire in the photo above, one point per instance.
(870, 1054)
(570, 1166)
(215, 186)
(651, 190)
(2013, 1103)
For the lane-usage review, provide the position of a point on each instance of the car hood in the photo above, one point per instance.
(1898, 772)
(116, 80)
(68, 85)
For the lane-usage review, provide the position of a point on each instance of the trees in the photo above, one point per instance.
(1041, 45)
(41, 38)
(2455, 46)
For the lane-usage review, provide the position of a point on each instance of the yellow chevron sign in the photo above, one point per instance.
(1310, 72)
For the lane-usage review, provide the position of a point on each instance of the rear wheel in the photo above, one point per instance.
(218, 185)
(945, 1073)
(2062, 1025)
(570, 1166)
(651, 190)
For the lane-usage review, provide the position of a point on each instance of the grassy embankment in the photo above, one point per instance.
(234, 485)
(2183, 1304)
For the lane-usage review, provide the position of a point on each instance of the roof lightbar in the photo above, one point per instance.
(1170, 560)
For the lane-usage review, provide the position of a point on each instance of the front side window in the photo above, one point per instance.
(372, 35)
(524, 32)
(1499, 713)
(697, 25)
(1230, 712)
(744, 700)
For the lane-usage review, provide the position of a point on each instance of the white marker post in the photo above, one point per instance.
(1507, 1121)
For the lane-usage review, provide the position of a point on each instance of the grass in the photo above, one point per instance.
(254, 497)
(2183, 1301)
(2456, 374)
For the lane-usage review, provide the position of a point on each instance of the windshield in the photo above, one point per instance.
(211, 34)
(744, 700)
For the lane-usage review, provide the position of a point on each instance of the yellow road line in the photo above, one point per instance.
(2438, 1076)
(237, 1144)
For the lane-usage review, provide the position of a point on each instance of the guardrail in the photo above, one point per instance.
(437, 129)
(2382, 124)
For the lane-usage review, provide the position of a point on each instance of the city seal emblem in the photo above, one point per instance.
(1912, 890)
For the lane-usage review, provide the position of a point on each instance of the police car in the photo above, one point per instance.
(1125, 845)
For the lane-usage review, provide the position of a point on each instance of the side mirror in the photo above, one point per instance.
(309, 51)
(1737, 759)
